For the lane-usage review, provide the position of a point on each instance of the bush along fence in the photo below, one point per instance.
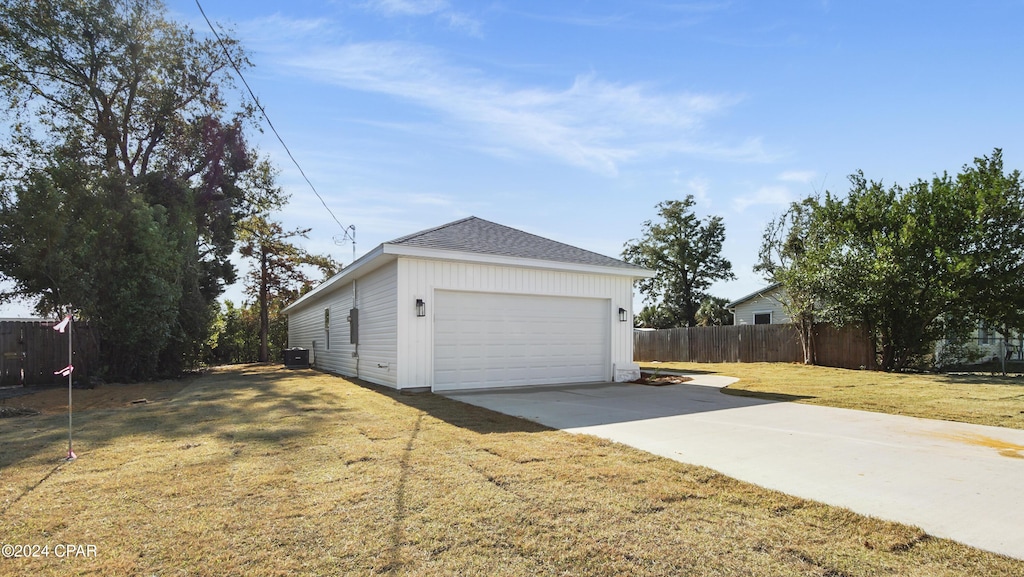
(846, 347)
(30, 352)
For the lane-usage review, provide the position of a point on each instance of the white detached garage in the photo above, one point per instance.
(472, 304)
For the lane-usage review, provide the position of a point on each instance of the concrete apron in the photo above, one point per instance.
(953, 480)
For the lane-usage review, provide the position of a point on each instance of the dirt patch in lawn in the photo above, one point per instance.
(656, 380)
(16, 412)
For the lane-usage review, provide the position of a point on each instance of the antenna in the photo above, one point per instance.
(349, 235)
(817, 191)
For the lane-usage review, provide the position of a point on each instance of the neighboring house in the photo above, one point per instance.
(472, 304)
(983, 345)
(762, 307)
(765, 307)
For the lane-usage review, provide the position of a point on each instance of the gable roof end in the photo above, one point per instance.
(765, 292)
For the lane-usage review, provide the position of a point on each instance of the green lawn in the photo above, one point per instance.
(256, 470)
(979, 399)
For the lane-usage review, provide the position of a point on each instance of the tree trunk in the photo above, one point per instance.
(888, 353)
(807, 341)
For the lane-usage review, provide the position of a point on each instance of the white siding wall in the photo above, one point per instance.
(419, 278)
(306, 330)
(744, 312)
(377, 349)
(378, 326)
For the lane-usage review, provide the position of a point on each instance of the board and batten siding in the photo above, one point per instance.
(420, 278)
(378, 326)
(375, 357)
(306, 330)
(768, 303)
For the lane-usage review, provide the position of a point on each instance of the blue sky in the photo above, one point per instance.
(573, 119)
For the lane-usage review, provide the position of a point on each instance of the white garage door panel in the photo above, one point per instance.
(494, 340)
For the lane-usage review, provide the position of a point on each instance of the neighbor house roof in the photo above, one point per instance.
(765, 292)
(481, 236)
(474, 239)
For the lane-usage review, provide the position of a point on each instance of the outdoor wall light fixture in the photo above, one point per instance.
(421, 308)
(622, 315)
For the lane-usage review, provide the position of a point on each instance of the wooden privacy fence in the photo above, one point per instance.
(846, 347)
(30, 351)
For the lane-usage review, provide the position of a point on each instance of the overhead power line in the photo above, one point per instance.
(348, 232)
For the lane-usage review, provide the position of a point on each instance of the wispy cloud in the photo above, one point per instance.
(775, 194)
(590, 122)
(669, 15)
(277, 31)
(408, 7)
(699, 187)
(441, 9)
(770, 195)
(431, 199)
(799, 176)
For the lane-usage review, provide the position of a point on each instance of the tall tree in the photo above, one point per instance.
(882, 264)
(994, 242)
(686, 254)
(118, 130)
(911, 264)
(787, 257)
(280, 271)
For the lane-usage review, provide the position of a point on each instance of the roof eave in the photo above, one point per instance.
(363, 265)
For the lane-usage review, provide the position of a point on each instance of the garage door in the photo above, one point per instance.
(501, 340)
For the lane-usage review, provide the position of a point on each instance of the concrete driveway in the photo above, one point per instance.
(954, 480)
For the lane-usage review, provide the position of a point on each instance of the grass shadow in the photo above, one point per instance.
(984, 379)
(776, 397)
(250, 405)
(454, 412)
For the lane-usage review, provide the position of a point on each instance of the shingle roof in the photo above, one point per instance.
(477, 235)
(766, 291)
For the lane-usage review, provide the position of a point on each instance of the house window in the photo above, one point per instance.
(762, 318)
(327, 327)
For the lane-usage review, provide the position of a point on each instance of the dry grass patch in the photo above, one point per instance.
(968, 398)
(262, 471)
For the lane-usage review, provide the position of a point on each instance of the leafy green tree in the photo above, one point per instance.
(994, 242)
(896, 262)
(911, 265)
(787, 257)
(712, 312)
(236, 335)
(653, 317)
(686, 254)
(121, 169)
